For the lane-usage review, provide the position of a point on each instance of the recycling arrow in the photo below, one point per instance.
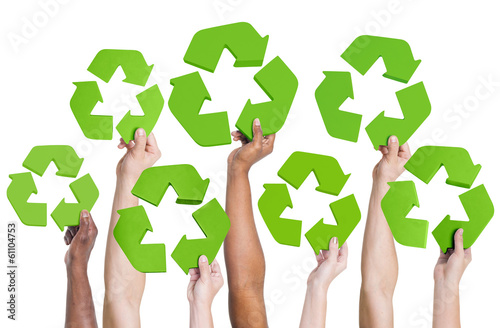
(415, 106)
(184, 178)
(271, 204)
(479, 209)
(396, 204)
(185, 103)
(427, 161)
(347, 215)
(132, 62)
(214, 223)
(397, 56)
(86, 194)
(85, 98)
(18, 193)
(335, 89)
(280, 85)
(241, 39)
(129, 233)
(64, 157)
(327, 170)
(151, 102)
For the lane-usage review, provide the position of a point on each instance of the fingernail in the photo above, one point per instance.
(393, 139)
(257, 122)
(203, 258)
(461, 231)
(85, 214)
(335, 240)
(141, 132)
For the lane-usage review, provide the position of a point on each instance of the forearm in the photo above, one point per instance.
(80, 310)
(200, 316)
(242, 248)
(314, 311)
(446, 305)
(124, 284)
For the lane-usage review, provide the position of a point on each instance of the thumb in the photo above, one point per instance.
(257, 132)
(84, 223)
(140, 142)
(393, 148)
(459, 241)
(204, 267)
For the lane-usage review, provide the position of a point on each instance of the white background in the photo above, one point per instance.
(457, 42)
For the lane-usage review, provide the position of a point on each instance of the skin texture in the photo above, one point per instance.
(79, 304)
(379, 263)
(330, 264)
(124, 284)
(204, 283)
(243, 254)
(447, 274)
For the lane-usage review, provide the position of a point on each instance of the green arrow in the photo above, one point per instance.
(415, 106)
(151, 102)
(86, 194)
(272, 203)
(427, 161)
(396, 204)
(129, 233)
(347, 215)
(397, 56)
(187, 183)
(335, 89)
(214, 223)
(241, 39)
(64, 157)
(132, 62)
(185, 103)
(18, 193)
(299, 165)
(280, 85)
(85, 98)
(479, 209)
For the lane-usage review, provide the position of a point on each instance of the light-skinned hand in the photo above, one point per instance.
(394, 158)
(142, 153)
(250, 152)
(330, 264)
(451, 265)
(204, 283)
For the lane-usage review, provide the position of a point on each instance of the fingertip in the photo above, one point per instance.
(140, 132)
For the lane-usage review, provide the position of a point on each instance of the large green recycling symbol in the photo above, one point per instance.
(331, 180)
(402, 196)
(87, 95)
(68, 164)
(134, 222)
(249, 48)
(337, 87)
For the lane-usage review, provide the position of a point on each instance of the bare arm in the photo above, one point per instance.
(80, 310)
(330, 264)
(379, 263)
(447, 274)
(124, 284)
(242, 250)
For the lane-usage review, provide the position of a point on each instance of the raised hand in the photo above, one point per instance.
(394, 158)
(330, 264)
(451, 265)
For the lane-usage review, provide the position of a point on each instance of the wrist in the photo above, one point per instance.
(317, 288)
(446, 284)
(238, 170)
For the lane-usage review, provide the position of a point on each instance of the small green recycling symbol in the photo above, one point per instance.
(337, 87)
(68, 164)
(402, 196)
(134, 222)
(331, 180)
(248, 48)
(87, 95)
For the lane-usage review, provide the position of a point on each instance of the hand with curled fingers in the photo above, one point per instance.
(394, 158)
(331, 263)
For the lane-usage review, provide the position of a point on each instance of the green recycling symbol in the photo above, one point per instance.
(337, 87)
(331, 180)
(68, 164)
(402, 197)
(248, 48)
(87, 95)
(134, 223)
